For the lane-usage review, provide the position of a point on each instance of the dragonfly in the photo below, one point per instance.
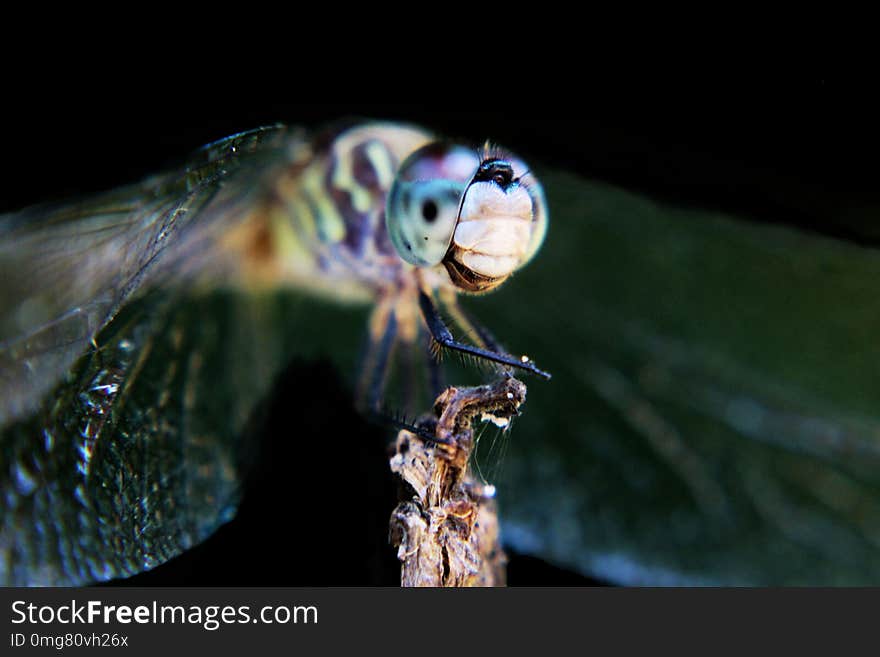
(712, 417)
(114, 458)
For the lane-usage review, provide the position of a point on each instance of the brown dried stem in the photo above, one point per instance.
(445, 526)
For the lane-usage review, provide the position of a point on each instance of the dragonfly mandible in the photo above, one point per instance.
(113, 458)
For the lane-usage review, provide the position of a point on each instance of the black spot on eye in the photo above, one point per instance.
(429, 211)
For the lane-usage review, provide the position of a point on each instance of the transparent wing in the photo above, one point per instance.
(714, 413)
(67, 268)
(113, 457)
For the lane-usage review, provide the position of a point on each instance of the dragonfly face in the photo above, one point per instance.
(480, 215)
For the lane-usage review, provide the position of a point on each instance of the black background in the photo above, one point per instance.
(804, 155)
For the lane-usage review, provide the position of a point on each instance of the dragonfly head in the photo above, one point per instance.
(481, 214)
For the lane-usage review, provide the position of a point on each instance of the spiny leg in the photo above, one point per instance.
(436, 380)
(374, 375)
(444, 339)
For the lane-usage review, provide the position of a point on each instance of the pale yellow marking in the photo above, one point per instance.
(332, 225)
(378, 155)
(399, 140)
(343, 178)
(304, 230)
(391, 138)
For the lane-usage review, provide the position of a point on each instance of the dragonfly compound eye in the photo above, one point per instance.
(423, 203)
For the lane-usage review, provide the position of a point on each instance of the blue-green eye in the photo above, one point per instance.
(423, 203)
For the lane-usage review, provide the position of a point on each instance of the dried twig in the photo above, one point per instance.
(445, 526)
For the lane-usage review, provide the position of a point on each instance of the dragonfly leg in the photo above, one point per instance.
(435, 373)
(479, 333)
(373, 378)
(444, 339)
(375, 367)
(383, 337)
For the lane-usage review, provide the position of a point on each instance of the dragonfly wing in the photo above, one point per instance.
(68, 268)
(113, 459)
(713, 414)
